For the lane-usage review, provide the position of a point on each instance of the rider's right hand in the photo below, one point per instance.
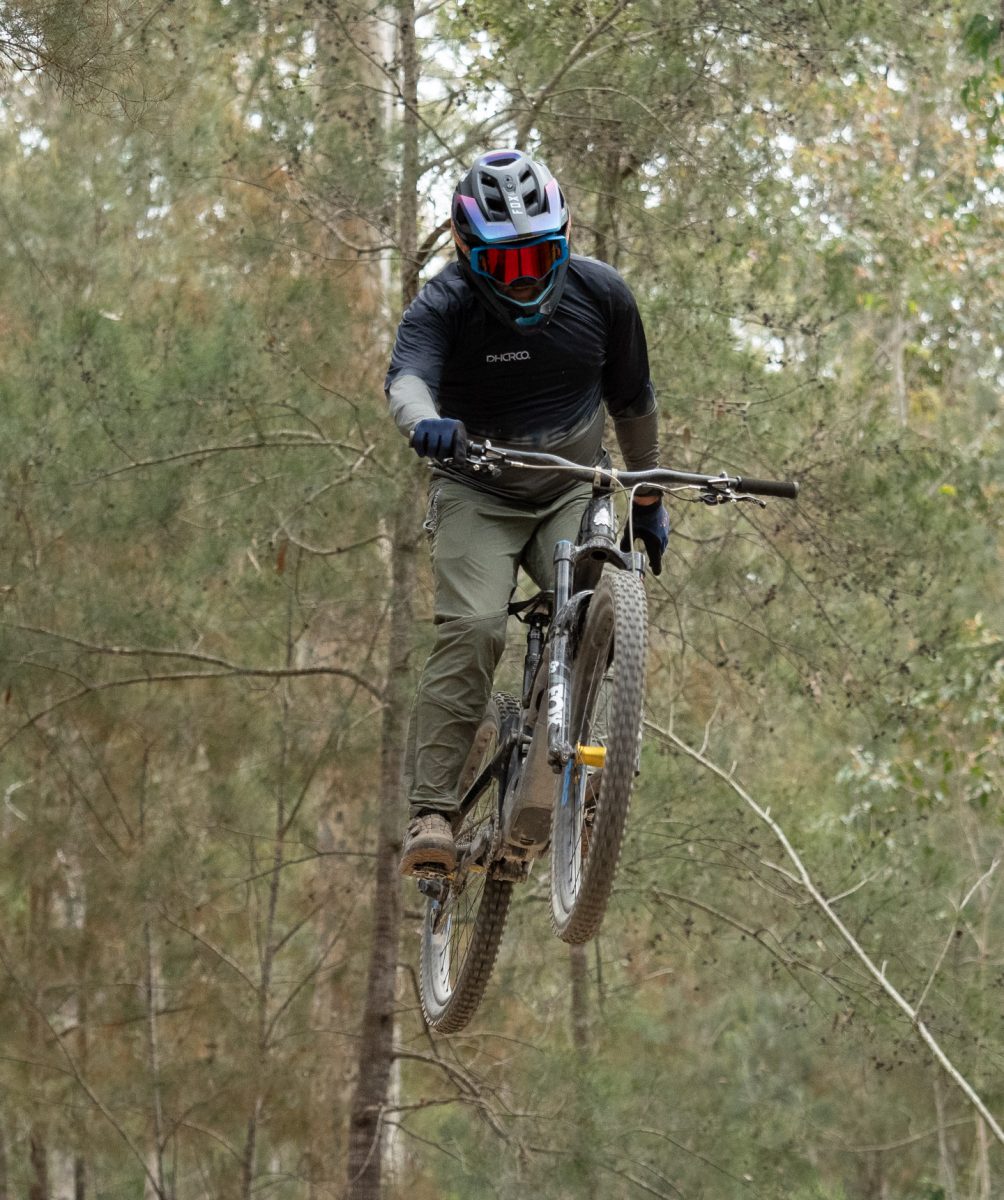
(440, 437)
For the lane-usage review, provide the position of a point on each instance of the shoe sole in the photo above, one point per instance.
(429, 862)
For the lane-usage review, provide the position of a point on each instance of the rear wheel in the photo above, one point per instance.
(464, 923)
(607, 688)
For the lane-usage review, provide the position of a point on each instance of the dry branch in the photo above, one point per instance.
(804, 878)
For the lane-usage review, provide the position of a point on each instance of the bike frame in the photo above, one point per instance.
(580, 715)
(536, 748)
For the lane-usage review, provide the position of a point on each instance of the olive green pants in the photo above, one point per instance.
(479, 542)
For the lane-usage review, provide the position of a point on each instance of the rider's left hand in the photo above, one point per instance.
(650, 523)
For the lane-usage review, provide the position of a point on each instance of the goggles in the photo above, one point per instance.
(526, 265)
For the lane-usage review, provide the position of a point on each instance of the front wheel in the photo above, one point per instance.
(464, 923)
(590, 810)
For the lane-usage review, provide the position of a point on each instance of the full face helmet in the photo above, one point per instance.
(510, 224)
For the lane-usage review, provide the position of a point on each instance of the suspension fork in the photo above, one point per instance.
(566, 609)
(569, 561)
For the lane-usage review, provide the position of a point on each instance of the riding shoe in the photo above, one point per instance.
(428, 846)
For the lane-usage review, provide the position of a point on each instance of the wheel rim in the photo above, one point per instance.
(450, 934)
(450, 922)
(589, 718)
(573, 855)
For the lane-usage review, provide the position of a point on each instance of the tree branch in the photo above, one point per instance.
(951, 933)
(183, 677)
(292, 440)
(824, 906)
(229, 668)
(574, 55)
(75, 1072)
(220, 954)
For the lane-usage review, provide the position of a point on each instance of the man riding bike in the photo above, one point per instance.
(521, 342)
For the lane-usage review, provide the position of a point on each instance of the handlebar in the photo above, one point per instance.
(714, 489)
(786, 489)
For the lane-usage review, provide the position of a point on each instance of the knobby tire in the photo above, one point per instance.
(457, 959)
(591, 807)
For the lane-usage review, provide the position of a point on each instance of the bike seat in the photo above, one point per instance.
(537, 606)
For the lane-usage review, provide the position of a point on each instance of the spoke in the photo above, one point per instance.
(590, 723)
(466, 891)
(462, 926)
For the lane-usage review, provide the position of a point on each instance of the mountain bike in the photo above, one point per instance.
(554, 768)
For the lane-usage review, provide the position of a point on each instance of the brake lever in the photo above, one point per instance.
(723, 494)
(486, 459)
(487, 468)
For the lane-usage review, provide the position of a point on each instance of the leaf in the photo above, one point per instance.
(980, 35)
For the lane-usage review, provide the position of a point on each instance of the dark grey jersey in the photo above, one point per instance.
(545, 389)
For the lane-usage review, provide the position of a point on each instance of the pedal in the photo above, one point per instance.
(433, 872)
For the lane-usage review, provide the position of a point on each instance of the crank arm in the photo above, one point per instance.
(472, 857)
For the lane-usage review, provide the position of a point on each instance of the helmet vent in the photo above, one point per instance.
(493, 196)
(530, 192)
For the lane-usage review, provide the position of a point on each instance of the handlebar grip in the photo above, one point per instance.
(787, 489)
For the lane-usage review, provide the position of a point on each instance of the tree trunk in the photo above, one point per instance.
(38, 1187)
(270, 940)
(151, 991)
(945, 1169)
(38, 929)
(408, 211)
(579, 972)
(606, 247)
(376, 1046)
(983, 1160)
(79, 1161)
(897, 351)
(588, 1137)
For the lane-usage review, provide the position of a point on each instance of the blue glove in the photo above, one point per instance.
(651, 528)
(440, 437)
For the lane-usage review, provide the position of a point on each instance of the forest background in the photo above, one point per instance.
(215, 596)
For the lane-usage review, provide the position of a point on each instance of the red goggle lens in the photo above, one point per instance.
(506, 264)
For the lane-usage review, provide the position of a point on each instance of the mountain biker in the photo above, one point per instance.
(524, 343)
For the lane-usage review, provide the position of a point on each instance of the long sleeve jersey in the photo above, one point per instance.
(542, 390)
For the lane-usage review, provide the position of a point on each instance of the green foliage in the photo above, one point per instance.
(196, 475)
(96, 55)
(982, 93)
